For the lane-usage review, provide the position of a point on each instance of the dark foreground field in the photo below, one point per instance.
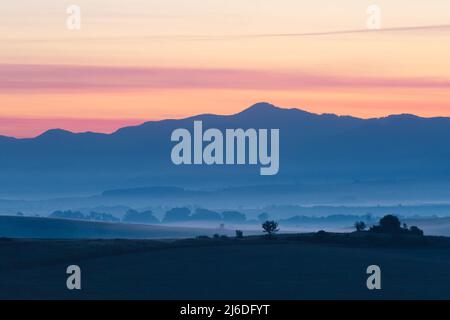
(253, 268)
(50, 228)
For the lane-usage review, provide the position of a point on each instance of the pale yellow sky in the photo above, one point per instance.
(364, 73)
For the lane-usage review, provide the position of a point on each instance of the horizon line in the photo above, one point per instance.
(143, 121)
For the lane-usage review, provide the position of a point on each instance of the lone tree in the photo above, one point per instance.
(270, 227)
(360, 226)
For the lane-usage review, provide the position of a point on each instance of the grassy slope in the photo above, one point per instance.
(291, 267)
(48, 228)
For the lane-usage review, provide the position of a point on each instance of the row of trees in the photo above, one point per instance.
(390, 224)
(185, 214)
(77, 215)
(171, 216)
(131, 216)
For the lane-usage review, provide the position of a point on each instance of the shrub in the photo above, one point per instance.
(416, 231)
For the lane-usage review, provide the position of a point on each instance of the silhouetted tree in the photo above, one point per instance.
(239, 234)
(390, 223)
(360, 226)
(270, 227)
(416, 231)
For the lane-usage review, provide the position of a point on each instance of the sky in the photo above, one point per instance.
(143, 60)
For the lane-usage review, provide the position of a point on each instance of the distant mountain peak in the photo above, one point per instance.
(256, 112)
(62, 134)
(268, 109)
(55, 132)
(261, 107)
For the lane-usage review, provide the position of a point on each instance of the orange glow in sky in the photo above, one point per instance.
(147, 60)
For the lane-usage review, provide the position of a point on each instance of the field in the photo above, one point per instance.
(49, 228)
(289, 267)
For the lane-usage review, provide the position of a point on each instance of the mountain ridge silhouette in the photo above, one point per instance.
(312, 146)
(257, 109)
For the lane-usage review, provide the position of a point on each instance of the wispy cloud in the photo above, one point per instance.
(444, 27)
(70, 78)
(206, 37)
